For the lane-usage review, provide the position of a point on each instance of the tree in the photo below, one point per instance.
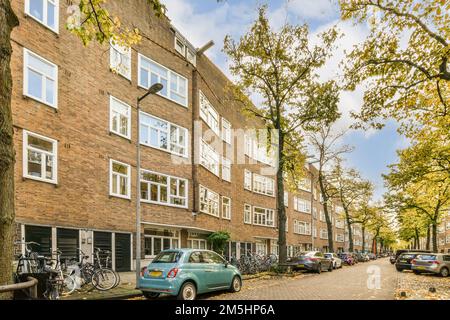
(349, 188)
(364, 214)
(90, 22)
(404, 81)
(326, 151)
(280, 67)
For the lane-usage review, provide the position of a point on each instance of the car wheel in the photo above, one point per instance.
(150, 295)
(444, 272)
(416, 272)
(187, 291)
(236, 284)
(330, 268)
(399, 269)
(319, 268)
(334, 265)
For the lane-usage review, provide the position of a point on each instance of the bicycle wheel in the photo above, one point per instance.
(118, 278)
(69, 285)
(104, 279)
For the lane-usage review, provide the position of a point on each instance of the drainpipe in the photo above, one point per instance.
(194, 165)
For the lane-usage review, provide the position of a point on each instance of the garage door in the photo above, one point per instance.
(123, 252)
(68, 242)
(103, 240)
(41, 235)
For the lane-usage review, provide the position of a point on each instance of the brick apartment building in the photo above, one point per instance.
(74, 113)
(443, 235)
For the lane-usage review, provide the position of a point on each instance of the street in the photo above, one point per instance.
(348, 283)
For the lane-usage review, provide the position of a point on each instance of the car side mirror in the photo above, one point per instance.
(226, 264)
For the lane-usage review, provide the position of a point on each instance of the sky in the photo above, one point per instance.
(203, 20)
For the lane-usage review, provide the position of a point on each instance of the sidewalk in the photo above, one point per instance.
(417, 287)
(126, 289)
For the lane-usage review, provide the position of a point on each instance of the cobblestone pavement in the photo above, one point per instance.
(348, 283)
(417, 287)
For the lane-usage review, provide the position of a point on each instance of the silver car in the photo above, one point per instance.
(437, 263)
(337, 262)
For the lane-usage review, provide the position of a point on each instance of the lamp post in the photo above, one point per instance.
(155, 88)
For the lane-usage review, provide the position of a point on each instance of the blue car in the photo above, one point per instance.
(187, 272)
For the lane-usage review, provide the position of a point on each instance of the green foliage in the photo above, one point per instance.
(218, 240)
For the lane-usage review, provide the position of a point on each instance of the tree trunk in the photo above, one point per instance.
(434, 236)
(282, 248)
(350, 232)
(8, 21)
(363, 229)
(417, 238)
(428, 238)
(325, 210)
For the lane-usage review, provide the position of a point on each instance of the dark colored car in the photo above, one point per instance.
(372, 256)
(404, 260)
(347, 258)
(360, 257)
(314, 261)
(399, 252)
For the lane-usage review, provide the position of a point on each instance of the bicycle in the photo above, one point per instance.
(108, 263)
(58, 284)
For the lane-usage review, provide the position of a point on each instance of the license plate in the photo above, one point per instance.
(300, 265)
(420, 268)
(155, 274)
(403, 261)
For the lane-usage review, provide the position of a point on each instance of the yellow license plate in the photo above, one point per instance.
(155, 274)
(420, 268)
(300, 265)
(403, 261)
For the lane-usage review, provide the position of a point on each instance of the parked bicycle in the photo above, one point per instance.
(58, 283)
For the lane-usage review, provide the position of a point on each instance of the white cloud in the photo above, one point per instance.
(313, 9)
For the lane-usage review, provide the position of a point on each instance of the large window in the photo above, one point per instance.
(40, 79)
(120, 179)
(323, 234)
(259, 150)
(247, 180)
(163, 135)
(226, 208)
(263, 217)
(209, 158)
(120, 117)
(175, 86)
(339, 223)
(226, 130)
(286, 199)
(340, 238)
(247, 213)
(302, 205)
(163, 189)
(209, 201)
(120, 59)
(305, 184)
(226, 169)
(263, 185)
(157, 240)
(302, 227)
(209, 114)
(44, 11)
(39, 157)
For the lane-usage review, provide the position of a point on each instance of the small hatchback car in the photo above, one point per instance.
(433, 263)
(187, 272)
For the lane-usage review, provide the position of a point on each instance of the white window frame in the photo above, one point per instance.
(44, 14)
(120, 66)
(267, 185)
(209, 114)
(113, 100)
(322, 234)
(169, 179)
(302, 205)
(248, 180)
(226, 130)
(26, 53)
(267, 216)
(226, 169)
(170, 74)
(340, 237)
(286, 199)
(168, 131)
(305, 184)
(248, 217)
(209, 158)
(54, 154)
(226, 208)
(111, 177)
(208, 202)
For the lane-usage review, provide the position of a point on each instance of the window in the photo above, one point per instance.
(302, 205)
(340, 237)
(226, 131)
(322, 216)
(163, 135)
(209, 201)
(448, 238)
(39, 157)
(44, 11)
(226, 169)
(120, 118)
(274, 247)
(209, 158)
(160, 240)
(339, 223)
(150, 72)
(120, 59)
(247, 180)
(163, 189)
(286, 199)
(226, 208)
(263, 217)
(40, 79)
(185, 50)
(315, 232)
(209, 114)
(247, 213)
(302, 227)
(448, 225)
(305, 184)
(260, 248)
(323, 234)
(315, 212)
(259, 150)
(120, 179)
(197, 244)
(263, 185)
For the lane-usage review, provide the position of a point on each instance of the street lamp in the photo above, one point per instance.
(155, 88)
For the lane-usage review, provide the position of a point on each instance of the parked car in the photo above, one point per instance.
(400, 251)
(337, 262)
(354, 256)
(392, 259)
(437, 263)
(346, 258)
(187, 272)
(360, 257)
(372, 256)
(403, 261)
(314, 261)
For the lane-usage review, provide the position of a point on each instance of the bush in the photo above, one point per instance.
(218, 240)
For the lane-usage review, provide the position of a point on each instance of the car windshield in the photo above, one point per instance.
(309, 254)
(407, 256)
(167, 257)
(328, 255)
(426, 257)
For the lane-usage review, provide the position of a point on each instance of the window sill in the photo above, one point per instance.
(54, 182)
(27, 96)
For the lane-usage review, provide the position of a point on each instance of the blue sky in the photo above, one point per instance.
(204, 20)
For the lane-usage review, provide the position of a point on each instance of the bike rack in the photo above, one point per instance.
(31, 284)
